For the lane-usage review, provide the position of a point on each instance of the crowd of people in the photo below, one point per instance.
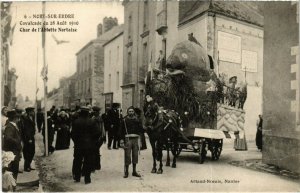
(85, 126)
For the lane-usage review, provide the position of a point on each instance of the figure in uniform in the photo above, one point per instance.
(85, 135)
(12, 141)
(131, 129)
(113, 118)
(97, 118)
(28, 132)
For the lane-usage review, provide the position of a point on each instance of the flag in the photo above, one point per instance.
(44, 71)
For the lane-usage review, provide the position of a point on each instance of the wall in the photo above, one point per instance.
(97, 85)
(251, 40)
(130, 45)
(281, 138)
(199, 29)
(113, 65)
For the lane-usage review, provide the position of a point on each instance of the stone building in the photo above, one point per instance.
(281, 106)
(89, 85)
(6, 41)
(67, 88)
(113, 68)
(10, 95)
(149, 27)
(231, 32)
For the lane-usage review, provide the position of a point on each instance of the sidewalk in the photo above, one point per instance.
(252, 159)
(28, 181)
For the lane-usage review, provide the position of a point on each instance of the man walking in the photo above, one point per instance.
(28, 132)
(130, 132)
(97, 118)
(84, 135)
(39, 119)
(113, 118)
(12, 141)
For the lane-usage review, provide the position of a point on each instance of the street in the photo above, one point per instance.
(55, 173)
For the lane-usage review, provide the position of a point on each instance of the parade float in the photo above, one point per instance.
(210, 105)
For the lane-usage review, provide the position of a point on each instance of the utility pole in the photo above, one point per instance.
(45, 78)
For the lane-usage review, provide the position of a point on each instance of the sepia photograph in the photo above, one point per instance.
(150, 96)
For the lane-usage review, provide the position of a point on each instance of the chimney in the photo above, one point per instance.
(99, 30)
(108, 23)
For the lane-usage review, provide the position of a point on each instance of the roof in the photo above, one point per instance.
(235, 9)
(107, 36)
(116, 33)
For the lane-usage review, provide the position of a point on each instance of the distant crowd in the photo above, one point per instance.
(85, 125)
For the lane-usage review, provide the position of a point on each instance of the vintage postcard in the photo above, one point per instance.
(150, 96)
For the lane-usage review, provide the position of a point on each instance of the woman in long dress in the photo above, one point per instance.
(63, 131)
(259, 133)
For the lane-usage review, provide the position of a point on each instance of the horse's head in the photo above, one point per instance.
(150, 113)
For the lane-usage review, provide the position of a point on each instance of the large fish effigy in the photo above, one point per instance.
(190, 87)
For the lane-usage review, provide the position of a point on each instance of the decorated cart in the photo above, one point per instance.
(210, 107)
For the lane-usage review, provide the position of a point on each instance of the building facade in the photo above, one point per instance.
(10, 95)
(113, 68)
(6, 42)
(281, 106)
(231, 32)
(89, 84)
(149, 27)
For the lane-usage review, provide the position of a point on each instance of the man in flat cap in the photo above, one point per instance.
(85, 135)
(28, 132)
(12, 141)
(97, 118)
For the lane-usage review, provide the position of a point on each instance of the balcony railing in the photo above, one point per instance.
(161, 22)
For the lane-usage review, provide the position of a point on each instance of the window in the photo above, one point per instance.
(118, 49)
(129, 63)
(117, 81)
(82, 65)
(90, 61)
(145, 54)
(84, 82)
(89, 85)
(109, 58)
(146, 15)
(78, 64)
(109, 82)
(86, 64)
(129, 27)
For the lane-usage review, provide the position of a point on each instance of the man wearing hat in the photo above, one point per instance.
(12, 141)
(130, 131)
(28, 132)
(113, 119)
(97, 118)
(85, 135)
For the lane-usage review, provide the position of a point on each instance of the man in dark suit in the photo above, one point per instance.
(85, 135)
(39, 119)
(28, 132)
(113, 119)
(97, 118)
(12, 141)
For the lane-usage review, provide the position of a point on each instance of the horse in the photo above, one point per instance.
(163, 129)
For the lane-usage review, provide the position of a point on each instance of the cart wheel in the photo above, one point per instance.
(216, 148)
(202, 152)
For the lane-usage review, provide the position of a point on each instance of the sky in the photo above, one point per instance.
(26, 51)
